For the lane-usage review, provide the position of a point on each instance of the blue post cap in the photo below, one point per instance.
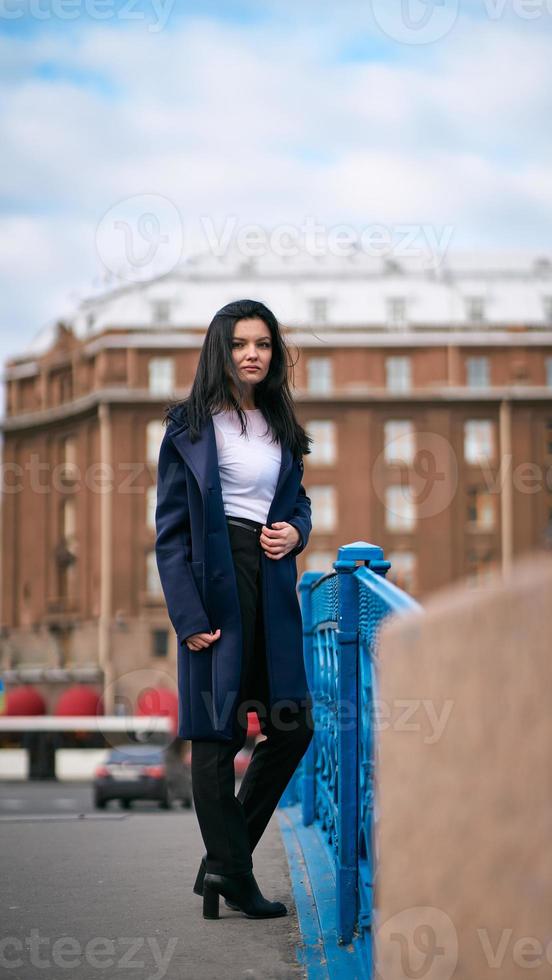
(360, 551)
(371, 554)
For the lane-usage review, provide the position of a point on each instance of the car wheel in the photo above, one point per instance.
(99, 803)
(167, 800)
(125, 804)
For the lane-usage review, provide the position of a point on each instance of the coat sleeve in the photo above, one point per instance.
(301, 519)
(173, 545)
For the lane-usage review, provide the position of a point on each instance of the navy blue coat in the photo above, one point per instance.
(197, 573)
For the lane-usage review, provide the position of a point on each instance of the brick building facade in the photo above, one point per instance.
(432, 438)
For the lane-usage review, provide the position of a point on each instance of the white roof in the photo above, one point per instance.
(356, 290)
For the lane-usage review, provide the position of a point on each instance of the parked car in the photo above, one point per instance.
(143, 772)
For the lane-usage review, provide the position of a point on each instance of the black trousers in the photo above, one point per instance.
(231, 826)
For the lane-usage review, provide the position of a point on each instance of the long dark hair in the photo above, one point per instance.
(211, 390)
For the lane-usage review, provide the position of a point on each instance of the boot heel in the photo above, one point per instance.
(198, 884)
(210, 902)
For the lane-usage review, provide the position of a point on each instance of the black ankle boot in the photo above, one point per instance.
(198, 884)
(244, 891)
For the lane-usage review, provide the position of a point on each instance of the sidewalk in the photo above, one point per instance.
(314, 888)
(118, 886)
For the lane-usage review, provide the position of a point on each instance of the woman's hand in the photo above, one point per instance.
(278, 540)
(198, 641)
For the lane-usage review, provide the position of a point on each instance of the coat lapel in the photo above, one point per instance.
(202, 458)
(199, 456)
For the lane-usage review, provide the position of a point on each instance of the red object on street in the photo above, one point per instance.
(253, 727)
(24, 700)
(79, 700)
(159, 701)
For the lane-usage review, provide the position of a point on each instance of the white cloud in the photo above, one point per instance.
(268, 124)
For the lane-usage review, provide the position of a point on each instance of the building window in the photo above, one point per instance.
(520, 374)
(70, 451)
(400, 511)
(475, 309)
(396, 311)
(161, 311)
(318, 309)
(480, 509)
(547, 530)
(320, 561)
(319, 375)
(160, 643)
(549, 437)
(65, 386)
(69, 468)
(161, 375)
(323, 447)
(548, 372)
(324, 508)
(398, 373)
(482, 568)
(153, 582)
(547, 308)
(151, 504)
(69, 523)
(477, 372)
(66, 552)
(403, 570)
(479, 441)
(154, 438)
(399, 440)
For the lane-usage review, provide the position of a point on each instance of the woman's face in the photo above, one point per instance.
(251, 349)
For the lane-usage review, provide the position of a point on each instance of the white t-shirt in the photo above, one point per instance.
(249, 465)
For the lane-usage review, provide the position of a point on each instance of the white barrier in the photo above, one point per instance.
(78, 763)
(14, 764)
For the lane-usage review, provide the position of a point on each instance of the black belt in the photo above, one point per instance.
(241, 522)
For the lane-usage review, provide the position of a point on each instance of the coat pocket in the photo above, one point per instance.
(197, 572)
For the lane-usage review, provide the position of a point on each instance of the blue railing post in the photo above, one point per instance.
(346, 638)
(307, 763)
(342, 613)
(347, 727)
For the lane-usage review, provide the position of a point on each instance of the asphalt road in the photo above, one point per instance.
(48, 798)
(92, 894)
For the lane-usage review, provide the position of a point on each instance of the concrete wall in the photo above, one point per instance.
(464, 784)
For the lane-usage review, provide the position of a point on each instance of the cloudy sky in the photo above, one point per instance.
(176, 121)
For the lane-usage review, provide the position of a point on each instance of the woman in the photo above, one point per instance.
(231, 516)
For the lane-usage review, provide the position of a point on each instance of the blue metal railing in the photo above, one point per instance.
(342, 615)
